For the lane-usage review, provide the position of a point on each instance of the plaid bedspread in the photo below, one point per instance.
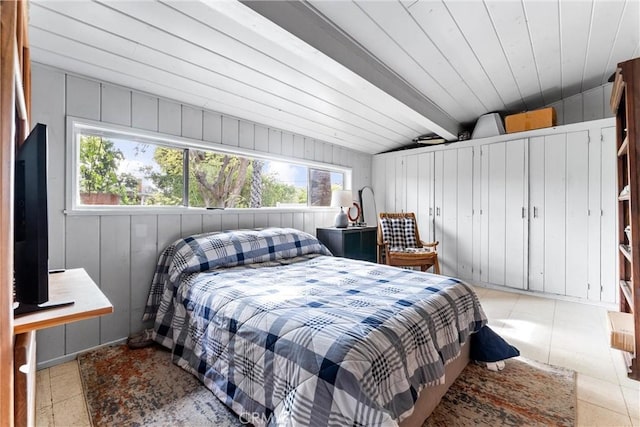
(315, 340)
(208, 251)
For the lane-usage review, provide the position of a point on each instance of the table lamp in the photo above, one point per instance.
(341, 198)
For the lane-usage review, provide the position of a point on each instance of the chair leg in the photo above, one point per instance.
(436, 266)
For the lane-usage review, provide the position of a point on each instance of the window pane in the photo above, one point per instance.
(321, 183)
(218, 180)
(284, 185)
(116, 171)
(229, 181)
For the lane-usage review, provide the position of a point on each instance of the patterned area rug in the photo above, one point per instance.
(524, 393)
(142, 387)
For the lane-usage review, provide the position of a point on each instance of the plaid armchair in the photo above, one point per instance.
(399, 243)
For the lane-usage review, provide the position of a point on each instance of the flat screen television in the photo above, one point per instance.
(31, 228)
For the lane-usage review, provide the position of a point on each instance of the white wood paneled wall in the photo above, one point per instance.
(589, 105)
(120, 251)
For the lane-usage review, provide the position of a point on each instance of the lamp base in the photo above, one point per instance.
(341, 220)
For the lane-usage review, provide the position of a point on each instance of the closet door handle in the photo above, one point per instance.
(523, 212)
(437, 211)
(430, 211)
(535, 212)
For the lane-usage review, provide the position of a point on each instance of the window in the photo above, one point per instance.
(117, 168)
(114, 171)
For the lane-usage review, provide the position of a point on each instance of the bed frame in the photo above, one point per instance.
(430, 396)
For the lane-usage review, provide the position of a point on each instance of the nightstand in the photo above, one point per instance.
(352, 242)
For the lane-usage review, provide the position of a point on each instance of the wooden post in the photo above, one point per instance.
(8, 15)
(14, 68)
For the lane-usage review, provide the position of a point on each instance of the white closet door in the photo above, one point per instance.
(484, 214)
(411, 184)
(503, 193)
(390, 184)
(464, 240)
(497, 212)
(516, 189)
(400, 185)
(536, 213)
(446, 176)
(477, 206)
(577, 209)
(555, 214)
(608, 203)
(424, 212)
(593, 248)
(449, 213)
(438, 177)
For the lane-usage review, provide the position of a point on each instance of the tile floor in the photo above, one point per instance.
(558, 332)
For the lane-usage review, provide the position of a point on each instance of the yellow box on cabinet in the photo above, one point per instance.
(529, 120)
(621, 330)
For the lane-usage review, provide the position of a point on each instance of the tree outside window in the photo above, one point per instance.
(114, 171)
(99, 182)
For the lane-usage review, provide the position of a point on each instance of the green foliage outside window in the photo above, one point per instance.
(98, 165)
(99, 161)
(215, 180)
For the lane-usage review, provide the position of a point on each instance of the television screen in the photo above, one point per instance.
(31, 232)
(31, 247)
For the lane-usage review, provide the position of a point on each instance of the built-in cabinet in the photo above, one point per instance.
(503, 209)
(446, 210)
(438, 188)
(423, 190)
(571, 213)
(532, 211)
(462, 235)
(602, 172)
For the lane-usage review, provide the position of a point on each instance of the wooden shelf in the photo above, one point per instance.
(625, 287)
(72, 285)
(616, 91)
(624, 148)
(625, 100)
(626, 251)
(88, 301)
(621, 334)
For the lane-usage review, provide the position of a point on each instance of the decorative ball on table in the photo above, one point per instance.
(340, 199)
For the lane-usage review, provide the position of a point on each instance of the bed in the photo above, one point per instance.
(284, 333)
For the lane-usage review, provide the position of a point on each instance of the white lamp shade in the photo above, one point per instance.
(341, 198)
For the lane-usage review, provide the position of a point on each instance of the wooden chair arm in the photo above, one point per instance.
(430, 244)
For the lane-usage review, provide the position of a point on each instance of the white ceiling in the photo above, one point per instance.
(369, 75)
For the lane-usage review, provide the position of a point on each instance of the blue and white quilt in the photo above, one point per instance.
(305, 339)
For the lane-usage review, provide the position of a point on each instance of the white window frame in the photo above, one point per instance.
(75, 125)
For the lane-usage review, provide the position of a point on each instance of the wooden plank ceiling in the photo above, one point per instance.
(369, 75)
